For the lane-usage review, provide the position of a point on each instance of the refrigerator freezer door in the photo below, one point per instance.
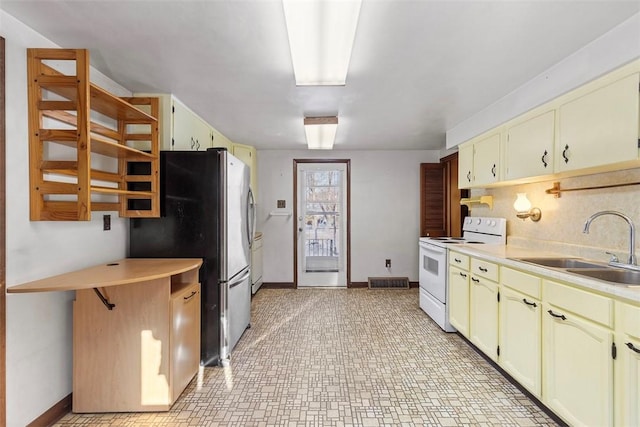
(239, 307)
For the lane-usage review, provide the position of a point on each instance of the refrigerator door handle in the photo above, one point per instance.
(242, 278)
(251, 217)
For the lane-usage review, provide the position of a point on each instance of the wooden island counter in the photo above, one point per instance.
(136, 332)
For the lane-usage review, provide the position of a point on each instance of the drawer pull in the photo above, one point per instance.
(632, 347)
(190, 296)
(463, 275)
(475, 280)
(559, 316)
(458, 260)
(532, 304)
(484, 270)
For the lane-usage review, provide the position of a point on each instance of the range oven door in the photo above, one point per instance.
(433, 270)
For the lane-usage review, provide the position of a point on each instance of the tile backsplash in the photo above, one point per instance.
(560, 229)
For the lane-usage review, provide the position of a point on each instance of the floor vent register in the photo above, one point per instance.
(388, 283)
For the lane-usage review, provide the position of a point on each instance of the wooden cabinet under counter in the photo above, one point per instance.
(136, 332)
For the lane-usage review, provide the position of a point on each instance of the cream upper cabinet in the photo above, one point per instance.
(248, 155)
(190, 132)
(529, 147)
(520, 328)
(465, 166)
(627, 391)
(577, 355)
(459, 299)
(479, 161)
(219, 140)
(600, 127)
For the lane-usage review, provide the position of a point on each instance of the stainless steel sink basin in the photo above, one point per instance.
(562, 262)
(626, 277)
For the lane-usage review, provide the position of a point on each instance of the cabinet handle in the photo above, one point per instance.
(632, 347)
(463, 275)
(559, 316)
(469, 176)
(473, 279)
(193, 143)
(544, 158)
(493, 170)
(484, 270)
(458, 260)
(532, 304)
(190, 296)
(197, 144)
(564, 153)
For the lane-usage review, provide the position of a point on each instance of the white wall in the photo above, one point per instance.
(39, 328)
(385, 210)
(610, 51)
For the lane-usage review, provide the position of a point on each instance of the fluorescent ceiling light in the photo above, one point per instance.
(320, 132)
(321, 34)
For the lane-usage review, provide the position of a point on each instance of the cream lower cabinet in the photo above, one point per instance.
(483, 307)
(459, 300)
(627, 365)
(577, 355)
(520, 328)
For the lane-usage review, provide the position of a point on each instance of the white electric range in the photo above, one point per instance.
(434, 259)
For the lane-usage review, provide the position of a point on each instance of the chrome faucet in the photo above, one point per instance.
(632, 235)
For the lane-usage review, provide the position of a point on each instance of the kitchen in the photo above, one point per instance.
(40, 249)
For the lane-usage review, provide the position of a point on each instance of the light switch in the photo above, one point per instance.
(282, 204)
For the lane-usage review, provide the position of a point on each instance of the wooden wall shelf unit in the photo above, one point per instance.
(66, 109)
(136, 332)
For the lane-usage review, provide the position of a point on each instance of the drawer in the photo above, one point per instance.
(590, 306)
(522, 282)
(485, 269)
(629, 322)
(459, 260)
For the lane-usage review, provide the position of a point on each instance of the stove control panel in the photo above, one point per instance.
(485, 225)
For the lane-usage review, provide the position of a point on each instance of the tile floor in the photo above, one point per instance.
(355, 357)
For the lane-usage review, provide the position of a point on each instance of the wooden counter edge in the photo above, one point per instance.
(121, 272)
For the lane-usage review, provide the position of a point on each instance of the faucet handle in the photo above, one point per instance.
(614, 257)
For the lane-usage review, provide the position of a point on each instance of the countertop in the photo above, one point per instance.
(121, 272)
(503, 255)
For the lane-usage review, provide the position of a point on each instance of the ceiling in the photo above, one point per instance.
(417, 69)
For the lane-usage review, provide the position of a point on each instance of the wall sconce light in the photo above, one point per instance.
(522, 205)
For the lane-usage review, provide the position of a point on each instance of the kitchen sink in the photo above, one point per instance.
(625, 277)
(562, 262)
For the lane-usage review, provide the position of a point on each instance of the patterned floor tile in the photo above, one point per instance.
(354, 357)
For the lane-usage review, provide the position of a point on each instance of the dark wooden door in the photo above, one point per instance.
(433, 212)
(440, 211)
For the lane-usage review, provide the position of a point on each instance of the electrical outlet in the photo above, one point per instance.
(387, 263)
(106, 222)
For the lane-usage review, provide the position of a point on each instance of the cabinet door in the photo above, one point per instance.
(190, 132)
(628, 381)
(483, 320)
(465, 166)
(600, 127)
(185, 337)
(458, 301)
(520, 339)
(486, 160)
(529, 147)
(578, 368)
(219, 140)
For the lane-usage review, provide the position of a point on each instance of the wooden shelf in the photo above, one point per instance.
(62, 111)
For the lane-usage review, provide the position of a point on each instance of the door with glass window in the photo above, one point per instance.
(321, 216)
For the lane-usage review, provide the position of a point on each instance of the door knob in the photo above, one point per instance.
(300, 230)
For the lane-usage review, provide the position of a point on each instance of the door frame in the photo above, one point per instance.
(347, 162)
(3, 248)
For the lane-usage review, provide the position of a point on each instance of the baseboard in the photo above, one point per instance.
(366, 285)
(53, 414)
(277, 285)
